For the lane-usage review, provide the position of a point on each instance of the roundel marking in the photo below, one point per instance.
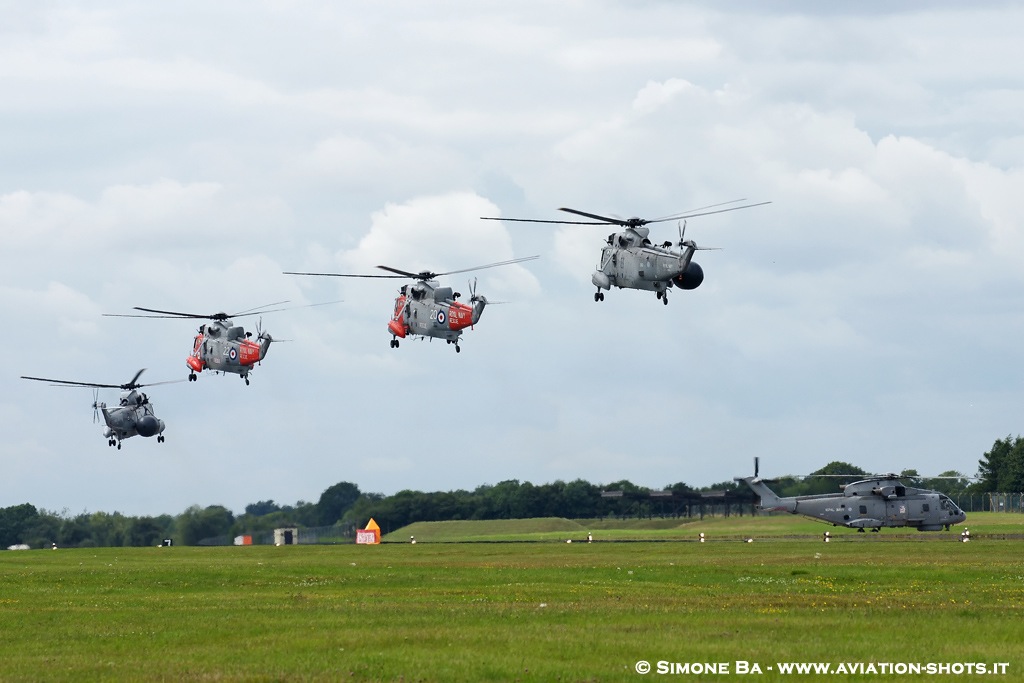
(233, 354)
(441, 317)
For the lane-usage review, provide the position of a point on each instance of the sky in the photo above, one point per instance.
(182, 156)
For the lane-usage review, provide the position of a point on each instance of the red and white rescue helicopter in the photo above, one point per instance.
(220, 345)
(426, 309)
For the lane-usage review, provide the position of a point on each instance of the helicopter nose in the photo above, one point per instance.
(148, 426)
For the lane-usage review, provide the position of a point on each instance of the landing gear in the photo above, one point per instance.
(458, 349)
(160, 438)
(599, 296)
(246, 381)
(394, 343)
(860, 530)
(111, 442)
(664, 297)
(192, 377)
(118, 445)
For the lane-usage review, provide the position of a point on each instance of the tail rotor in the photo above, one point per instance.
(473, 298)
(95, 405)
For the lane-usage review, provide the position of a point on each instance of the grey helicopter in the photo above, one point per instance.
(629, 260)
(220, 345)
(871, 503)
(426, 309)
(134, 414)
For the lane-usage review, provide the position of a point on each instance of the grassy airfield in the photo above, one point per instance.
(506, 610)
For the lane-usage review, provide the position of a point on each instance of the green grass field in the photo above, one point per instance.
(503, 611)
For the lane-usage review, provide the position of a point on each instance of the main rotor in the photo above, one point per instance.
(127, 386)
(421, 276)
(220, 317)
(634, 222)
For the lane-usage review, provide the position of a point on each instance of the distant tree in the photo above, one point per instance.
(108, 530)
(1002, 468)
(579, 500)
(335, 501)
(76, 532)
(14, 522)
(834, 478)
(263, 507)
(42, 531)
(145, 531)
(196, 524)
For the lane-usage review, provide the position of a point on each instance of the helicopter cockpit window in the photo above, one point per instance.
(235, 333)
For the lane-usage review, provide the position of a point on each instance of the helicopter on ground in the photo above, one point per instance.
(425, 308)
(871, 503)
(220, 345)
(133, 415)
(629, 260)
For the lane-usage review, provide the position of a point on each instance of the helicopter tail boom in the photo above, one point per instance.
(769, 501)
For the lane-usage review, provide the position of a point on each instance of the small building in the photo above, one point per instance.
(286, 536)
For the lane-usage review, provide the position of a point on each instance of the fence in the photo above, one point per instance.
(992, 502)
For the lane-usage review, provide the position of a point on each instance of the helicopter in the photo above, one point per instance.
(133, 415)
(426, 309)
(220, 345)
(871, 503)
(629, 260)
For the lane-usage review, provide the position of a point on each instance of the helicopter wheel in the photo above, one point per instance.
(118, 445)
(394, 343)
(160, 438)
(664, 300)
(192, 377)
(246, 381)
(458, 349)
(598, 296)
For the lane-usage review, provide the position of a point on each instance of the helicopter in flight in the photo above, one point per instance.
(133, 415)
(426, 309)
(871, 503)
(629, 260)
(220, 345)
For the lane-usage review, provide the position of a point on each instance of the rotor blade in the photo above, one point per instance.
(256, 309)
(539, 220)
(603, 219)
(425, 275)
(292, 272)
(700, 208)
(492, 265)
(134, 379)
(165, 314)
(156, 384)
(74, 384)
(699, 212)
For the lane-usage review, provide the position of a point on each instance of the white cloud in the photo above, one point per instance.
(150, 161)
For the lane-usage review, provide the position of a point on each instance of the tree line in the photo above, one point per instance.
(1000, 470)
